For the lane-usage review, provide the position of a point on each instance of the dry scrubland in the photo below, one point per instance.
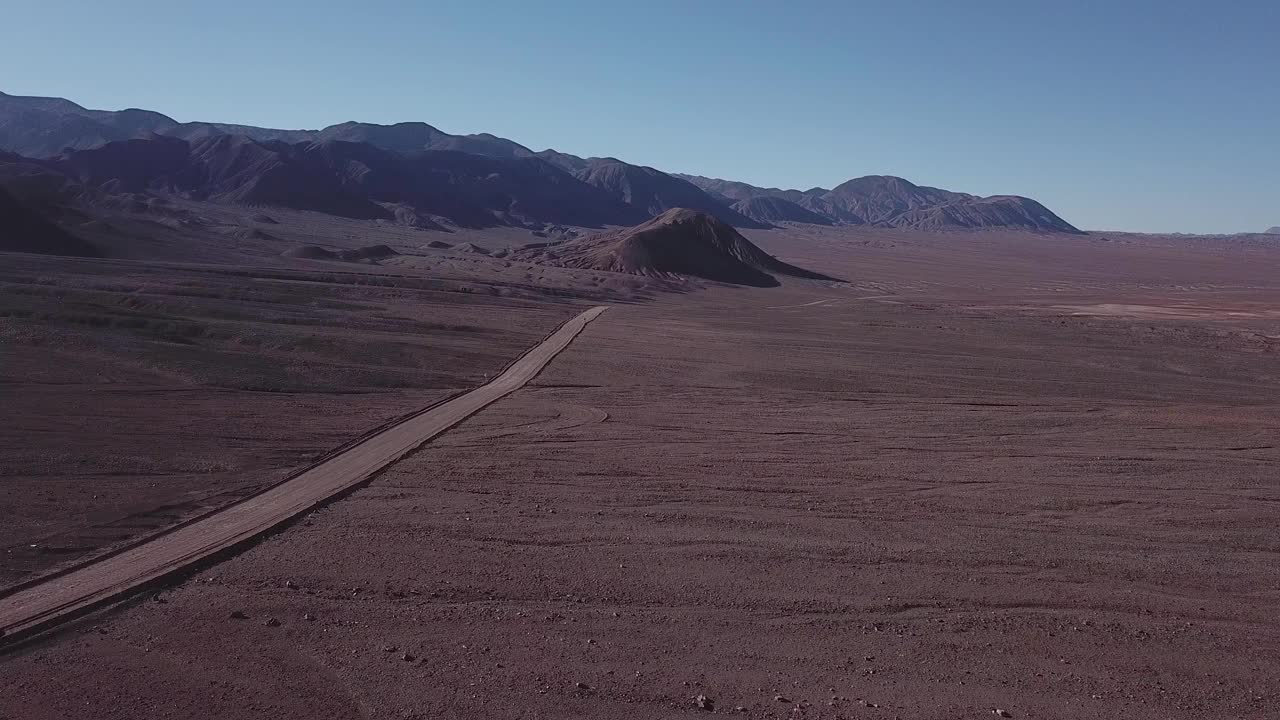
(1032, 473)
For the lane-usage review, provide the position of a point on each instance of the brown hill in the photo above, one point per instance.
(24, 230)
(678, 242)
(772, 210)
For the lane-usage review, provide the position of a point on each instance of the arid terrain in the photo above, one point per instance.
(137, 394)
(994, 471)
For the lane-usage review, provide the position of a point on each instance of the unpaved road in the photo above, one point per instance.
(69, 595)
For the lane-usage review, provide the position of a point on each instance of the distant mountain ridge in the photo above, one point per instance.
(1273, 231)
(44, 127)
(888, 201)
(346, 179)
(522, 186)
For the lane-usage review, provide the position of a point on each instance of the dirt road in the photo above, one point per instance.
(60, 598)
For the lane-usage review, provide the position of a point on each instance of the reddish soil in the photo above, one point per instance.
(935, 492)
(136, 395)
(162, 559)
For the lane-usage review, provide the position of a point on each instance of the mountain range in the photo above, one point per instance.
(413, 172)
(886, 201)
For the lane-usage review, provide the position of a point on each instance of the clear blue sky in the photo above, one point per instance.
(1153, 116)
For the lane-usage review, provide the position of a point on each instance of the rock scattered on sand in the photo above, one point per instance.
(705, 703)
(272, 622)
(582, 686)
(407, 657)
(1002, 713)
(781, 699)
(239, 615)
(309, 617)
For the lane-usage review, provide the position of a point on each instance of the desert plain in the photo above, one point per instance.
(981, 473)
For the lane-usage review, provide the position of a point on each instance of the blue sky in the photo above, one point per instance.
(1149, 116)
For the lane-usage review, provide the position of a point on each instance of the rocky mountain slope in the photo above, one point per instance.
(655, 192)
(773, 210)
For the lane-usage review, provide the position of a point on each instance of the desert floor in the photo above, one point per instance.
(1032, 474)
